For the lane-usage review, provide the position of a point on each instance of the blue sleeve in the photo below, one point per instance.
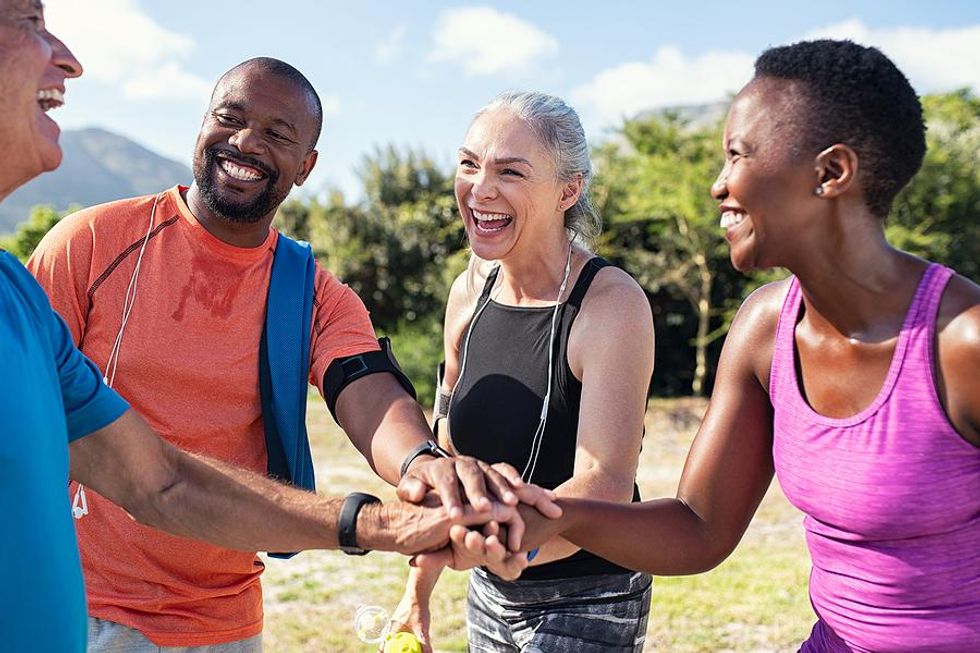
(89, 403)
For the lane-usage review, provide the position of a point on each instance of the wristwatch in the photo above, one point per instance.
(347, 524)
(427, 448)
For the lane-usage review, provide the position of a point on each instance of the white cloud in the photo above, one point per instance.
(485, 41)
(117, 43)
(390, 46)
(934, 60)
(668, 79)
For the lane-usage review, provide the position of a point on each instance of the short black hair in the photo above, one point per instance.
(284, 70)
(855, 95)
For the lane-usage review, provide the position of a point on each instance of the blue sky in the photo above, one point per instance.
(413, 73)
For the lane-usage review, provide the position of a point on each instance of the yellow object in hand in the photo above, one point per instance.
(402, 643)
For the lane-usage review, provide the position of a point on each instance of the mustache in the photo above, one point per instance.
(243, 159)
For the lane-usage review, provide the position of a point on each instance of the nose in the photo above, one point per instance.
(246, 140)
(719, 189)
(483, 187)
(63, 58)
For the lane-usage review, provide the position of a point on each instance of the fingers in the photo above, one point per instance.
(411, 489)
(540, 498)
(472, 476)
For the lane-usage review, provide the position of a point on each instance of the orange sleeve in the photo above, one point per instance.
(62, 264)
(341, 325)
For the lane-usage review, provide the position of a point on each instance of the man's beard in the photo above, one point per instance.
(245, 212)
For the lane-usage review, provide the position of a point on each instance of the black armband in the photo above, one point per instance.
(344, 371)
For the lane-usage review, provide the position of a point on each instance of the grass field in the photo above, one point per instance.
(756, 601)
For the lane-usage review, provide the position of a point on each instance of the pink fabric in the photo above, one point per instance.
(891, 497)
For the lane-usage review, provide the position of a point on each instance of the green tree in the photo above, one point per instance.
(662, 224)
(935, 216)
(30, 232)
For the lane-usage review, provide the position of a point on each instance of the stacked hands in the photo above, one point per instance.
(460, 513)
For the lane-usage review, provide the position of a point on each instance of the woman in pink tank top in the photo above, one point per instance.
(854, 381)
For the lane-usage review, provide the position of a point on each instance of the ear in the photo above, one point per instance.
(837, 170)
(570, 192)
(304, 170)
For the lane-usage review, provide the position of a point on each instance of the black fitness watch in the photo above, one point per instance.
(427, 448)
(347, 523)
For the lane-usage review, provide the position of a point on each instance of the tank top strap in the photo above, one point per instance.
(585, 278)
(488, 286)
(781, 370)
(920, 322)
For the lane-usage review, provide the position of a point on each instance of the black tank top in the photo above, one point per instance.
(496, 406)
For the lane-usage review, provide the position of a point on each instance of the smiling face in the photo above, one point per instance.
(506, 187)
(33, 67)
(766, 190)
(254, 144)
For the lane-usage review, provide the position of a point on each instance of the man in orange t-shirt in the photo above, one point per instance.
(195, 263)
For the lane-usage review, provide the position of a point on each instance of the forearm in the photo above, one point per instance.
(212, 501)
(663, 536)
(593, 484)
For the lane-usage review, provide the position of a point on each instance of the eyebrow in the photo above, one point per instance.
(507, 160)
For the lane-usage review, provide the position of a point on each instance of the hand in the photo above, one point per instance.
(413, 617)
(482, 484)
(473, 548)
(409, 528)
(539, 528)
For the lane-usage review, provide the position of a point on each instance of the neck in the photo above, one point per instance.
(861, 291)
(535, 277)
(239, 234)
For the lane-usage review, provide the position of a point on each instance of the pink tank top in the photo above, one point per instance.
(891, 497)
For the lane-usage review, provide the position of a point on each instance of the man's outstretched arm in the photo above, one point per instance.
(193, 496)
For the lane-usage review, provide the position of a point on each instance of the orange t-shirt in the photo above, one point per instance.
(189, 364)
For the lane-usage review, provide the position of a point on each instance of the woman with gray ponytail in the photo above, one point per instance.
(548, 362)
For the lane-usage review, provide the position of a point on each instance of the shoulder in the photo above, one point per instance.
(614, 294)
(25, 285)
(958, 322)
(119, 222)
(331, 292)
(751, 339)
(959, 312)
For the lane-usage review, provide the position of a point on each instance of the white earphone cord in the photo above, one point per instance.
(79, 504)
(538, 437)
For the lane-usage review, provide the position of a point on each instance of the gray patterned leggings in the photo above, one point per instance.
(592, 614)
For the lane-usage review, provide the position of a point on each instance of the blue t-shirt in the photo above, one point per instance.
(50, 394)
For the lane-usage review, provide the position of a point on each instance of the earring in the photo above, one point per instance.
(819, 190)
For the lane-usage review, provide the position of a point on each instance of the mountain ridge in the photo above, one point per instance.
(98, 166)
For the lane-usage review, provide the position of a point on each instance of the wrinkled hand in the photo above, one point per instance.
(482, 486)
(412, 528)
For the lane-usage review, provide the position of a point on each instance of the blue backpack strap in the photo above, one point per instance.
(284, 363)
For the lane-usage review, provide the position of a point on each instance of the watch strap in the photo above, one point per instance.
(347, 523)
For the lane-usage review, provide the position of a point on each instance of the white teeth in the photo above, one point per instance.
(490, 216)
(238, 172)
(50, 98)
(731, 218)
(490, 223)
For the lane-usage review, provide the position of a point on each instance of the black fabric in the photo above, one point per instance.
(496, 405)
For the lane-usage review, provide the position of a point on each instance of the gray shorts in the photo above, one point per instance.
(110, 637)
(592, 614)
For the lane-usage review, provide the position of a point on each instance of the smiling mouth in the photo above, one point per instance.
(731, 219)
(490, 222)
(240, 171)
(50, 98)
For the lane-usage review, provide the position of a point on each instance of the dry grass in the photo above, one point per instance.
(756, 601)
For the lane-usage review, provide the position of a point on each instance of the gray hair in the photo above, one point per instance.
(559, 130)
